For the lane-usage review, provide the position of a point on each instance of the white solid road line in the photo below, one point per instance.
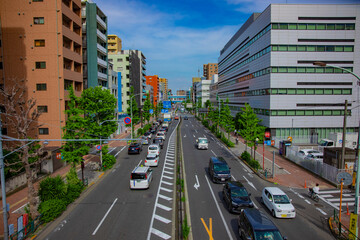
(139, 162)
(102, 220)
(213, 153)
(119, 151)
(250, 183)
(217, 205)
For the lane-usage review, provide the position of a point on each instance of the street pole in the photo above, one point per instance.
(342, 164)
(356, 209)
(3, 190)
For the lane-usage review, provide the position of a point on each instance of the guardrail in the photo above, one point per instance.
(340, 230)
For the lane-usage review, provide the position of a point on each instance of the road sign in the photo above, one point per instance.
(98, 147)
(267, 134)
(164, 110)
(166, 104)
(58, 155)
(151, 111)
(127, 120)
(290, 138)
(345, 177)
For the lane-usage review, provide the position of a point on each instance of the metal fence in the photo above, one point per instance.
(27, 230)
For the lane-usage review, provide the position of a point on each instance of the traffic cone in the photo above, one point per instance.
(347, 209)
(305, 184)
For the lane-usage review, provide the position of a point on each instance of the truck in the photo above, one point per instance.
(167, 117)
(335, 140)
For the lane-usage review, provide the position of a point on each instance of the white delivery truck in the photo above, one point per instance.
(335, 140)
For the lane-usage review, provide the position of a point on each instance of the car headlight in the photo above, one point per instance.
(278, 210)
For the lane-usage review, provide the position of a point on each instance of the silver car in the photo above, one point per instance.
(152, 160)
(144, 140)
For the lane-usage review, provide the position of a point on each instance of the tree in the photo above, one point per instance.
(207, 103)
(75, 128)
(227, 120)
(99, 105)
(250, 128)
(146, 109)
(22, 118)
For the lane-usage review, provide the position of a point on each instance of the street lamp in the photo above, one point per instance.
(356, 210)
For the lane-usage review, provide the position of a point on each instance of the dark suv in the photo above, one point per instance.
(135, 148)
(236, 196)
(254, 224)
(219, 170)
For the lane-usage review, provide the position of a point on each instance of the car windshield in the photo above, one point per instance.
(268, 235)
(221, 167)
(203, 141)
(151, 158)
(153, 148)
(138, 176)
(239, 192)
(313, 151)
(323, 143)
(281, 199)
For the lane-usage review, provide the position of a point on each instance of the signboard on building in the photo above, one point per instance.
(166, 104)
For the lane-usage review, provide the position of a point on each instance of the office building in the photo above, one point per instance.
(114, 44)
(209, 70)
(154, 82)
(94, 29)
(41, 45)
(268, 63)
(114, 87)
(165, 83)
(202, 91)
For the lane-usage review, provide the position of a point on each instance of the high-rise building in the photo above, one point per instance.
(209, 70)
(140, 84)
(180, 92)
(41, 45)
(268, 63)
(154, 82)
(114, 87)
(165, 92)
(114, 44)
(94, 28)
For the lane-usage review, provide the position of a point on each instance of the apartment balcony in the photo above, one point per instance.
(101, 35)
(102, 62)
(101, 49)
(83, 27)
(102, 76)
(72, 75)
(101, 22)
(67, 53)
(71, 35)
(143, 72)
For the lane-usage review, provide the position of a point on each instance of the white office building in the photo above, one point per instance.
(268, 63)
(202, 91)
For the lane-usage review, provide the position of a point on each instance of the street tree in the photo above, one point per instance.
(146, 109)
(227, 120)
(250, 129)
(22, 116)
(75, 128)
(99, 106)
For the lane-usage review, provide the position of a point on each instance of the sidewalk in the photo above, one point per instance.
(18, 200)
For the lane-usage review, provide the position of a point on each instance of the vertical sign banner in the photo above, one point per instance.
(20, 227)
(352, 225)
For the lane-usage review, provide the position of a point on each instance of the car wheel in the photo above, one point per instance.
(273, 213)
(262, 200)
(213, 179)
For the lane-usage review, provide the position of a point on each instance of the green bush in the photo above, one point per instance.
(254, 164)
(245, 156)
(213, 128)
(73, 192)
(72, 177)
(108, 161)
(205, 123)
(140, 132)
(227, 142)
(51, 209)
(52, 188)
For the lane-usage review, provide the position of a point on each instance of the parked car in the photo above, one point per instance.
(219, 170)
(135, 148)
(277, 202)
(315, 157)
(154, 149)
(140, 178)
(254, 224)
(236, 196)
(159, 141)
(161, 134)
(145, 140)
(304, 152)
(152, 160)
(202, 143)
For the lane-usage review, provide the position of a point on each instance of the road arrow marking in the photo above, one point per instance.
(250, 183)
(196, 185)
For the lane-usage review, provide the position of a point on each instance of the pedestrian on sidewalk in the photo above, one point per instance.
(235, 133)
(237, 141)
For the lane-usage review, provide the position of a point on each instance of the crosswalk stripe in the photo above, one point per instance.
(164, 220)
(168, 177)
(338, 199)
(165, 197)
(168, 172)
(163, 207)
(167, 183)
(165, 189)
(160, 234)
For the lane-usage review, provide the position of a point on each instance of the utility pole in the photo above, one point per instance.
(342, 164)
(3, 190)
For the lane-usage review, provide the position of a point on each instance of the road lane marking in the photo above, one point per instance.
(168, 172)
(197, 184)
(165, 197)
(139, 162)
(324, 213)
(193, 135)
(168, 177)
(163, 207)
(160, 234)
(208, 230)
(196, 131)
(212, 138)
(307, 201)
(331, 204)
(168, 167)
(217, 205)
(343, 199)
(119, 151)
(250, 183)
(112, 150)
(164, 220)
(171, 164)
(167, 183)
(102, 220)
(213, 153)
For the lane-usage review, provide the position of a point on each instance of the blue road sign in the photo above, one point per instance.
(151, 111)
(164, 110)
(127, 120)
(166, 104)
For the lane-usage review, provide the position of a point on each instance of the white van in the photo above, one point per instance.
(141, 178)
(202, 143)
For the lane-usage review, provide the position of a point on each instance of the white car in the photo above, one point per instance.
(304, 152)
(152, 160)
(277, 202)
(315, 157)
(202, 143)
(154, 149)
(161, 134)
(140, 178)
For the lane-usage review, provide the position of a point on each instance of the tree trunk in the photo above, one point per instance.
(31, 194)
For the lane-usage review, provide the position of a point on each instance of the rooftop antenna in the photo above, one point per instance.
(198, 72)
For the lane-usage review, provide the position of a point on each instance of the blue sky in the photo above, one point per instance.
(179, 36)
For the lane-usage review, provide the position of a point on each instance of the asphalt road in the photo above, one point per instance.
(206, 201)
(112, 211)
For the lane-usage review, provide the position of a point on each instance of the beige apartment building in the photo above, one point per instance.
(209, 70)
(114, 44)
(164, 81)
(41, 43)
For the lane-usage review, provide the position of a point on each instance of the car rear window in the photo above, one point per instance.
(153, 148)
(274, 235)
(150, 158)
(138, 176)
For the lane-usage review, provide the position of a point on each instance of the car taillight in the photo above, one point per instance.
(130, 176)
(145, 176)
(145, 161)
(155, 160)
(137, 148)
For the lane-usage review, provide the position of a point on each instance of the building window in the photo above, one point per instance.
(1, 65)
(37, 0)
(39, 20)
(40, 43)
(119, 59)
(40, 65)
(43, 131)
(42, 109)
(41, 87)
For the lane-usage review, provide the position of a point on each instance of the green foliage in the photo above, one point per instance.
(227, 141)
(108, 159)
(73, 192)
(51, 209)
(205, 123)
(52, 188)
(227, 121)
(252, 162)
(245, 156)
(185, 228)
(140, 131)
(72, 177)
(147, 127)
(146, 109)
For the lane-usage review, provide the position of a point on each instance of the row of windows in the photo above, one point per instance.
(39, 20)
(312, 48)
(309, 70)
(247, 77)
(248, 60)
(250, 42)
(314, 26)
(308, 112)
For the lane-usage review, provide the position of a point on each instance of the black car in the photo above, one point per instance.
(153, 130)
(135, 148)
(186, 118)
(160, 141)
(254, 224)
(236, 196)
(219, 170)
(147, 134)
